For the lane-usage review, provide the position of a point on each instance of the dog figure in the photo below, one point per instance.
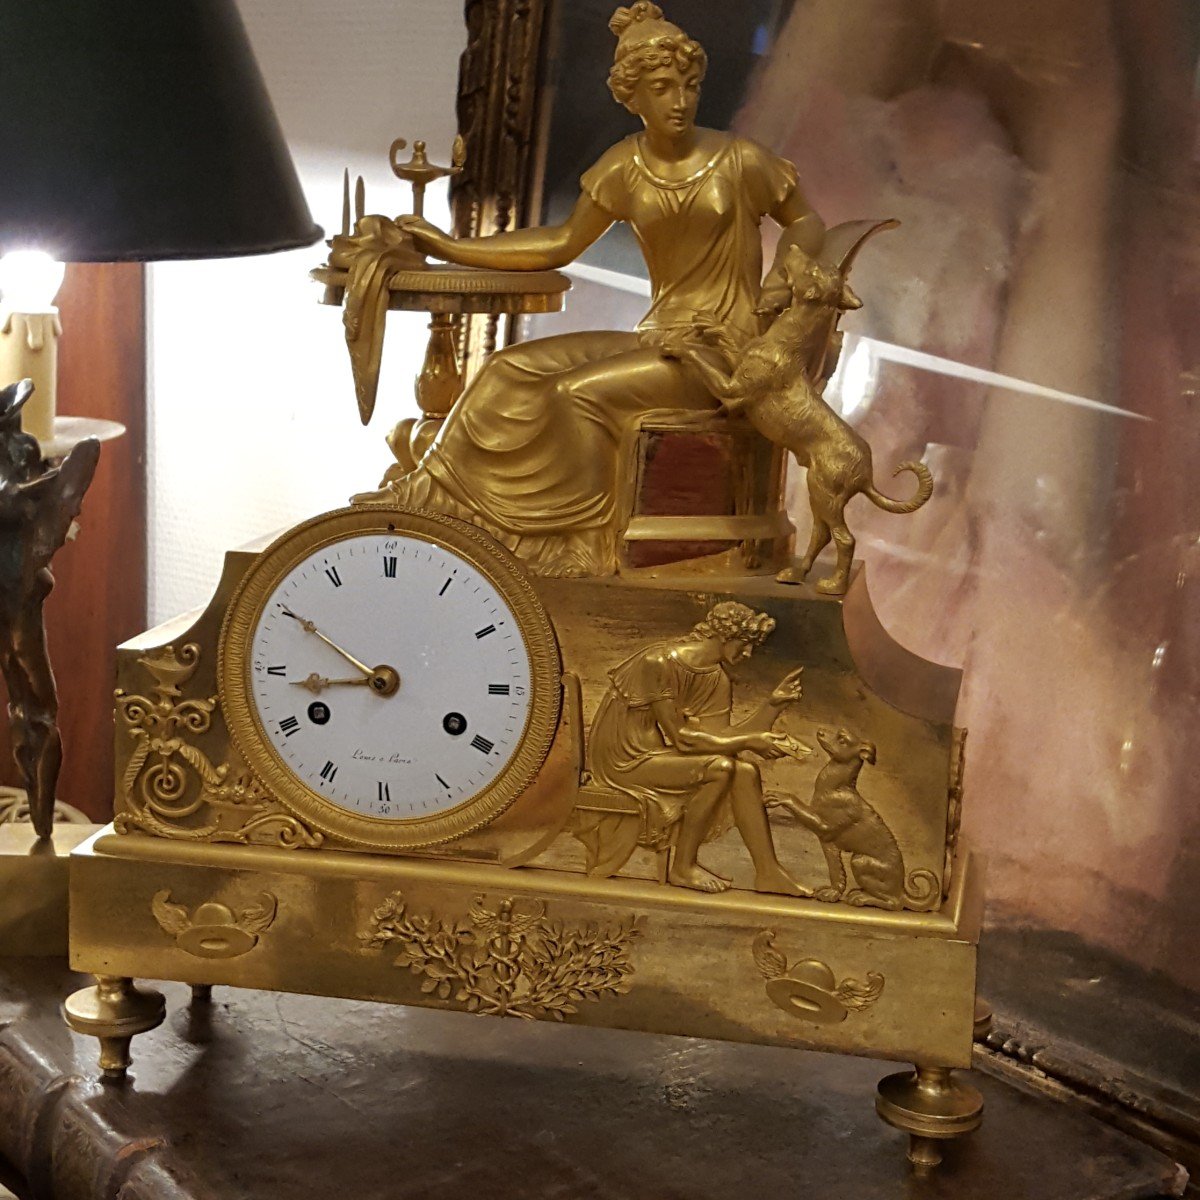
(846, 824)
(777, 380)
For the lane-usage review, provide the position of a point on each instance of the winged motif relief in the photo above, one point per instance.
(214, 930)
(809, 990)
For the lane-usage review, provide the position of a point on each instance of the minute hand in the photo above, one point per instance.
(309, 627)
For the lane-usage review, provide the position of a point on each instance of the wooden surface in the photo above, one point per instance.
(1121, 1041)
(99, 597)
(263, 1095)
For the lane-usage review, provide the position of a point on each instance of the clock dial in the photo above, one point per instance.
(457, 711)
(389, 674)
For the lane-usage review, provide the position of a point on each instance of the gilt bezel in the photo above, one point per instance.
(245, 726)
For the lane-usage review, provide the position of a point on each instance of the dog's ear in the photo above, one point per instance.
(792, 279)
(867, 753)
(848, 301)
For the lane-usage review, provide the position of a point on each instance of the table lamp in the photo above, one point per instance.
(138, 131)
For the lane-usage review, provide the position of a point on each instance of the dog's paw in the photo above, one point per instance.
(862, 899)
(835, 585)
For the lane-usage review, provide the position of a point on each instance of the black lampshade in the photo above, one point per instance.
(140, 129)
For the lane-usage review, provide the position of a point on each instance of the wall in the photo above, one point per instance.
(252, 417)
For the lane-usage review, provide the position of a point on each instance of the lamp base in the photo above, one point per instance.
(70, 431)
(33, 887)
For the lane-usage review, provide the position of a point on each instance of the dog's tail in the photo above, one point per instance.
(921, 887)
(924, 490)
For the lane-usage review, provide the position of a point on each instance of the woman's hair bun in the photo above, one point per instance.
(643, 10)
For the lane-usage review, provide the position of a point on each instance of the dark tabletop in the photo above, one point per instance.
(271, 1095)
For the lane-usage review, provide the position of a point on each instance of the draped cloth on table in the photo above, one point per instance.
(371, 255)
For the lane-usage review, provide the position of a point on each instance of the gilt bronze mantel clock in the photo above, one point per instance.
(524, 730)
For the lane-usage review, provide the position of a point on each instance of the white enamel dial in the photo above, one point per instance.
(463, 698)
(387, 676)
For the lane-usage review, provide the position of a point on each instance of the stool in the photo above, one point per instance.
(694, 484)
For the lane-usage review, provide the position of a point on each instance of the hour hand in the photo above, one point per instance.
(318, 683)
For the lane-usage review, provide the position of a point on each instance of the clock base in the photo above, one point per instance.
(542, 944)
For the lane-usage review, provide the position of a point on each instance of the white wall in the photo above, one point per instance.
(253, 423)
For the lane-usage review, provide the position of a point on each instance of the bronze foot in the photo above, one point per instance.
(114, 1011)
(930, 1105)
(202, 993)
(780, 883)
(983, 1019)
(698, 878)
(384, 495)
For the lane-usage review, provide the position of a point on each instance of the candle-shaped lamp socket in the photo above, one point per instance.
(29, 331)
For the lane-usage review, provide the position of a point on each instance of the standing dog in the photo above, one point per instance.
(777, 380)
(846, 824)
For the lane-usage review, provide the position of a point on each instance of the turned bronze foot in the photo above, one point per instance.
(114, 1011)
(983, 1019)
(930, 1105)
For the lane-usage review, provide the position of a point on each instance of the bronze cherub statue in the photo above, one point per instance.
(38, 503)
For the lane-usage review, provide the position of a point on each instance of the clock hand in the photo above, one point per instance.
(382, 680)
(318, 683)
(309, 627)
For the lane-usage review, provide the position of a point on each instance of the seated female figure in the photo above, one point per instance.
(529, 451)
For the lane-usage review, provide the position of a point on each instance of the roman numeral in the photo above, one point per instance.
(482, 744)
(498, 689)
(289, 725)
(277, 670)
(384, 795)
(445, 586)
(328, 771)
(482, 633)
(334, 577)
(389, 567)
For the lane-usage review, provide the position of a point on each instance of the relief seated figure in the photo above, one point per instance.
(530, 449)
(664, 734)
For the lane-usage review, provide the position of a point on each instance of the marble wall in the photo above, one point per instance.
(1042, 157)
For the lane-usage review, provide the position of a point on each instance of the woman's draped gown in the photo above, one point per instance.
(530, 448)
